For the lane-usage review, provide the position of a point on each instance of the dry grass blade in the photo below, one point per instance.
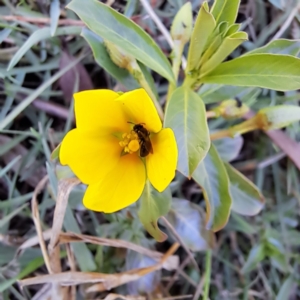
(117, 296)
(64, 188)
(37, 221)
(107, 281)
(170, 263)
(132, 275)
(72, 263)
(33, 241)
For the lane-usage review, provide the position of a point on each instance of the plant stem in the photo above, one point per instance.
(176, 61)
(244, 127)
(207, 274)
(210, 114)
(220, 134)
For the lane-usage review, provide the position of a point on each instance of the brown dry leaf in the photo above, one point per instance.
(75, 76)
(64, 188)
(72, 264)
(37, 221)
(135, 274)
(117, 296)
(171, 263)
(33, 241)
(107, 281)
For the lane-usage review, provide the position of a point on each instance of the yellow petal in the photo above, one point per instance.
(88, 155)
(139, 108)
(96, 110)
(161, 165)
(121, 187)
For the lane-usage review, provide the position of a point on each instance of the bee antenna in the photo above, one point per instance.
(130, 122)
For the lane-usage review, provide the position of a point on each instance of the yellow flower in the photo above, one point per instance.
(104, 149)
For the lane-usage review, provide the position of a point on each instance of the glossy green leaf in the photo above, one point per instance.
(39, 35)
(225, 10)
(211, 175)
(232, 29)
(256, 255)
(188, 220)
(229, 44)
(281, 46)
(119, 30)
(186, 115)
(271, 71)
(229, 148)
(204, 26)
(182, 25)
(103, 59)
(152, 206)
(280, 116)
(246, 198)
(212, 48)
(211, 93)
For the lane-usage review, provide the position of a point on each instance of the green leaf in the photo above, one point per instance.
(103, 59)
(239, 224)
(286, 289)
(281, 46)
(119, 30)
(225, 10)
(186, 115)
(211, 93)
(229, 44)
(147, 283)
(54, 15)
(271, 71)
(55, 152)
(256, 255)
(204, 26)
(28, 100)
(212, 177)
(152, 206)
(7, 218)
(229, 148)
(232, 29)
(212, 48)
(182, 25)
(188, 220)
(246, 198)
(279, 116)
(82, 253)
(39, 35)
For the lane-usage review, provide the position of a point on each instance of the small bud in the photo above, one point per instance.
(231, 109)
(278, 116)
(182, 26)
(118, 56)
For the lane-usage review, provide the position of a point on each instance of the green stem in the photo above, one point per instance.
(176, 61)
(207, 274)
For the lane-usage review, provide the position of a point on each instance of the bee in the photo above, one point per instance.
(238, 102)
(144, 139)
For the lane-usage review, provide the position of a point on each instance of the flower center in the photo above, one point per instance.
(130, 142)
